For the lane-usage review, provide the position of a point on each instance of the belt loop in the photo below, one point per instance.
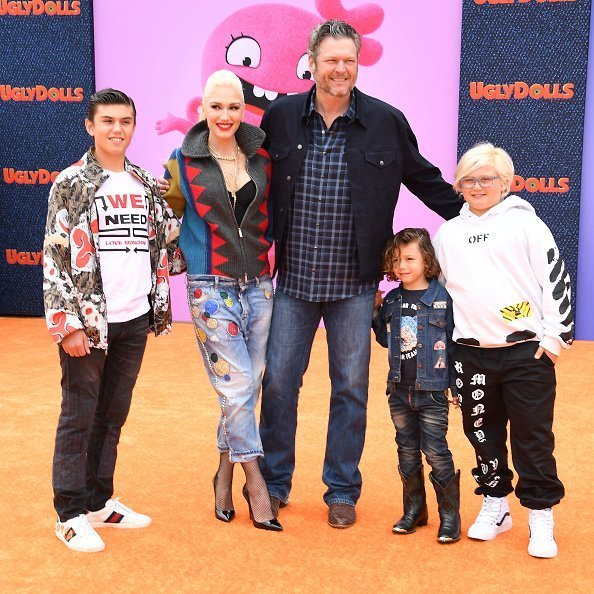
(257, 281)
(216, 282)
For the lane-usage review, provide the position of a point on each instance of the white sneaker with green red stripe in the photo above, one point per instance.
(117, 515)
(78, 535)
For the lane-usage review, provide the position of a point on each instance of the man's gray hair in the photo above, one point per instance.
(333, 28)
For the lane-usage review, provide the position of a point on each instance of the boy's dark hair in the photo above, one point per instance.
(404, 237)
(108, 97)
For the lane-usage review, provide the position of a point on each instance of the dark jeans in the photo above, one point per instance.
(421, 421)
(502, 385)
(96, 395)
(348, 333)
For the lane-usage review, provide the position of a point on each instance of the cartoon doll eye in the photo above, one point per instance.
(244, 51)
(303, 67)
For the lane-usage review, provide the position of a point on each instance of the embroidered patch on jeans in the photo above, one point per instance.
(201, 334)
(212, 323)
(222, 368)
(210, 307)
(439, 346)
(267, 294)
(517, 311)
(233, 329)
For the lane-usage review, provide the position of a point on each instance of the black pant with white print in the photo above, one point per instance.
(508, 384)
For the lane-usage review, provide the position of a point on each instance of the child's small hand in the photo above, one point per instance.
(540, 351)
(378, 300)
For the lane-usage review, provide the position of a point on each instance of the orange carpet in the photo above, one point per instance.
(168, 455)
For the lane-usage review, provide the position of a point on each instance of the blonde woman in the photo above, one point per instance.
(219, 182)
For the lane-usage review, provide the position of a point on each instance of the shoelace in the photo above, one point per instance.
(81, 526)
(541, 524)
(120, 507)
(490, 511)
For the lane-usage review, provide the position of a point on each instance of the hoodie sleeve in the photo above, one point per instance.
(549, 269)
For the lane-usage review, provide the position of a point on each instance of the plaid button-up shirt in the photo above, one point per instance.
(320, 261)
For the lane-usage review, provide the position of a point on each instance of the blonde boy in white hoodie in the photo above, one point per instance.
(512, 317)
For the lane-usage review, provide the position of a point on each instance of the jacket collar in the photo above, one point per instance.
(195, 144)
(96, 175)
(359, 100)
(431, 293)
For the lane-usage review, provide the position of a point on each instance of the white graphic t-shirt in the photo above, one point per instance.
(123, 246)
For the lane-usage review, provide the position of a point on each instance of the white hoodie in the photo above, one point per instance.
(506, 278)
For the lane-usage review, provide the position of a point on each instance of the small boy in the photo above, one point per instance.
(415, 324)
(512, 312)
(105, 285)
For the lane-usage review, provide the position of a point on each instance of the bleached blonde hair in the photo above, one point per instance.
(482, 155)
(221, 78)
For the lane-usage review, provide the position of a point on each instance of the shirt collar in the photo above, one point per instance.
(349, 114)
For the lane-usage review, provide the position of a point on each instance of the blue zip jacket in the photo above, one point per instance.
(435, 324)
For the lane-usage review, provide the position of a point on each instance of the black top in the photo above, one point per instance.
(244, 197)
(408, 336)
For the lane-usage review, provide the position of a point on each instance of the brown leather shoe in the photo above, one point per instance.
(341, 515)
(275, 504)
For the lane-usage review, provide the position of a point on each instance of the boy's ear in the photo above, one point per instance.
(89, 126)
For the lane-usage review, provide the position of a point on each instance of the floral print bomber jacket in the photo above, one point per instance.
(72, 284)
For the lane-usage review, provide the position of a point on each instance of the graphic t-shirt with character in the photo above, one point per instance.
(408, 336)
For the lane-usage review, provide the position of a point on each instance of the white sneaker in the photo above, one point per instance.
(542, 540)
(493, 519)
(78, 535)
(117, 515)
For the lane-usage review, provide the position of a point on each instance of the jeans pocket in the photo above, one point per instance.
(439, 398)
(267, 288)
(546, 360)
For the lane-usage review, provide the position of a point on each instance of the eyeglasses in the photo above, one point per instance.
(485, 181)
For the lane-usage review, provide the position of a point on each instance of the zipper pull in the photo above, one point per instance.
(240, 233)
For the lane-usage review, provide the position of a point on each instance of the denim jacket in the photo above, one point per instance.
(435, 324)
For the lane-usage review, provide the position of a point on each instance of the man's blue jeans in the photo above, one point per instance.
(348, 328)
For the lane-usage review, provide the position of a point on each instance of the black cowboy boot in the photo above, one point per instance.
(448, 503)
(414, 501)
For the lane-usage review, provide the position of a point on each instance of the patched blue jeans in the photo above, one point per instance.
(421, 421)
(232, 320)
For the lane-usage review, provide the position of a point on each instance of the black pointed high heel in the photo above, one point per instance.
(272, 524)
(225, 515)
